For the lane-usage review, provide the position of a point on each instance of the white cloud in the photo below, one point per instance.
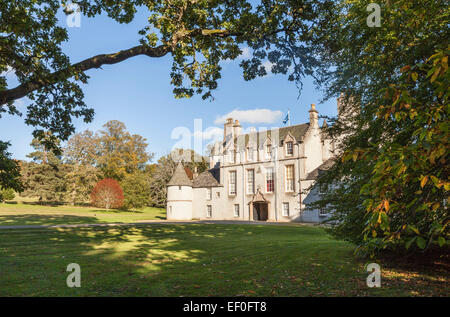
(253, 116)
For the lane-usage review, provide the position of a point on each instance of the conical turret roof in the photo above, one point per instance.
(180, 177)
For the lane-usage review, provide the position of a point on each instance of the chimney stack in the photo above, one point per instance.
(195, 174)
(228, 132)
(237, 128)
(313, 117)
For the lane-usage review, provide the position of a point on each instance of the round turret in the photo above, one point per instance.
(179, 195)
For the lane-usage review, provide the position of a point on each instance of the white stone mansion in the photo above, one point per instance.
(259, 176)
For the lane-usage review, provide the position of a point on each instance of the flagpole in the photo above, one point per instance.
(289, 116)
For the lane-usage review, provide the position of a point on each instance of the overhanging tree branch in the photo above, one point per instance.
(90, 63)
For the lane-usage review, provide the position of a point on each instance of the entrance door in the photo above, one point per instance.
(260, 211)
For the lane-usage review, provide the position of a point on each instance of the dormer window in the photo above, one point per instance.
(231, 156)
(268, 151)
(249, 154)
(289, 148)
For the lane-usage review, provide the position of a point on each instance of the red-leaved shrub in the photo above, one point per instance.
(107, 194)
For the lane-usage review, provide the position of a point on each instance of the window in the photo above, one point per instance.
(285, 210)
(289, 148)
(208, 193)
(232, 183)
(231, 156)
(209, 211)
(249, 154)
(290, 178)
(323, 212)
(269, 180)
(269, 151)
(179, 187)
(236, 210)
(251, 181)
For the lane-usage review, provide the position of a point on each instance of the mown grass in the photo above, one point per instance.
(196, 260)
(33, 214)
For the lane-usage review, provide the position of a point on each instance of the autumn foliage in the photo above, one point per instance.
(107, 194)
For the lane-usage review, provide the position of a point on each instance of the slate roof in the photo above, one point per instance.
(207, 179)
(259, 137)
(179, 177)
(324, 166)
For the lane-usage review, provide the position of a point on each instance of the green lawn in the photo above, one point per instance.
(196, 260)
(32, 214)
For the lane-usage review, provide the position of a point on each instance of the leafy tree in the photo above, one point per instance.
(162, 172)
(136, 190)
(81, 149)
(80, 155)
(7, 194)
(79, 182)
(44, 181)
(45, 176)
(390, 184)
(43, 152)
(107, 194)
(9, 169)
(197, 35)
(119, 152)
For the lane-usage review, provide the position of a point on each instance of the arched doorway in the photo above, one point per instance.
(258, 207)
(260, 211)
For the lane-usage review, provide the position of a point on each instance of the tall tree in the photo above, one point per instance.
(391, 181)
(45, 176)
(43, 152)
(136, 190)
(197, 35)
(81, 149)
(79, 182)
(80, 154)
(119, 152)
(9, 169)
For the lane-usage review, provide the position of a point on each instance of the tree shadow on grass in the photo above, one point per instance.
(34, 219)
(115, 211)
(45, 203)
(182, 260)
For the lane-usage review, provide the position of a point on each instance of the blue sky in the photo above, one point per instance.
(138, 93)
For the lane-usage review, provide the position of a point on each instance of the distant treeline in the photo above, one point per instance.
(88, 157)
